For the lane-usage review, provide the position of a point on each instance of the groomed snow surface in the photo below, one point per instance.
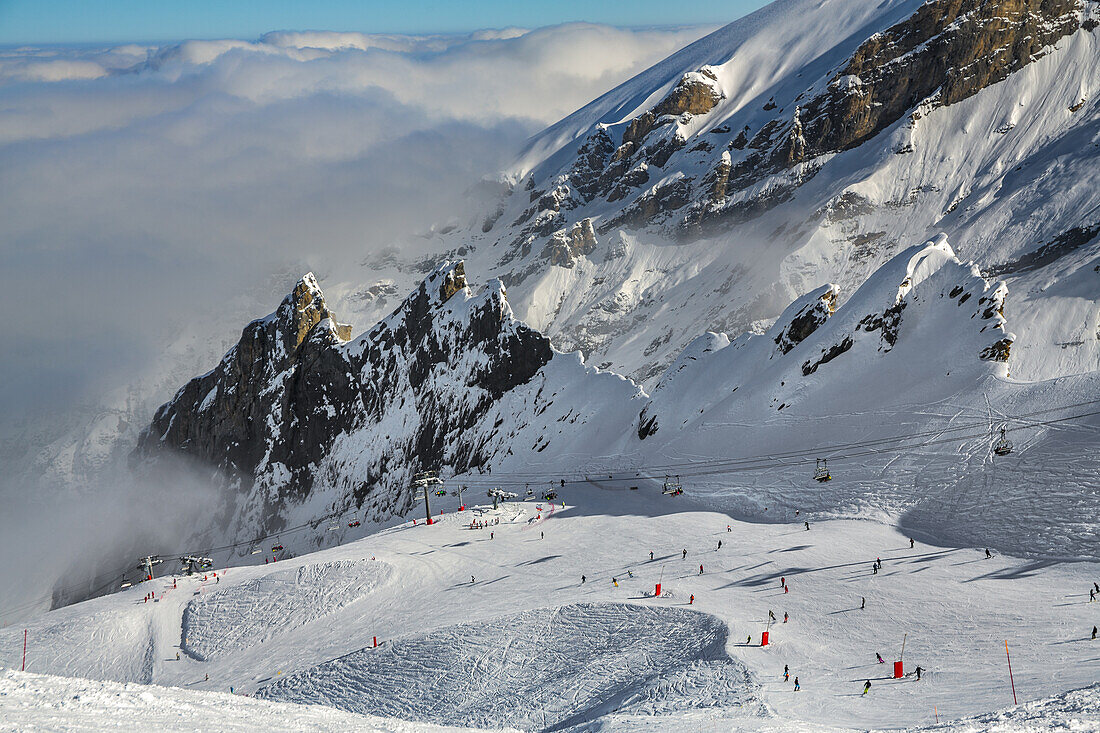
(498, 631)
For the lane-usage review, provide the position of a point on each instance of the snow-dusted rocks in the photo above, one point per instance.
(301, 421)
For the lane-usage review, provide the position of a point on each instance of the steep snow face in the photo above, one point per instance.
(730, 179)
(304, 421)
(925, 296)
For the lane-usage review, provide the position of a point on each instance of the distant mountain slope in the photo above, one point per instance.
(806, 143)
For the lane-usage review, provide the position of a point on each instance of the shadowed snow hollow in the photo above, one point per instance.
(239, 617)
(545, 669)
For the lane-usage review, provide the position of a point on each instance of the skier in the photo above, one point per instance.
(786, 617)
(987, 554)
(796, 687)
(748, 640)
(862, 603)
(692, 599)
(177, 656)
(880, 659)
(786, 673)
(700, 569)
(786, 588)
(1092, 595)
(719, 545)
(651, 555)
(542, 535)
(807, 526)
(207, 676)
(685, 553)
(782, 580)
(919, 670)
(615, 582)
(629, 574)
(729, 528)
(471, 580)
(582, 580)
(874, 568)
(1096, 586)
(1094, 633)
(910, 543)
(771, 615)
(866, 687)
(492, 534)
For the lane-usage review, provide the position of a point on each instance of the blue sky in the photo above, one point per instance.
(98, 21)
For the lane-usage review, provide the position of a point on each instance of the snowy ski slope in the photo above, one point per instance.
(499, 630)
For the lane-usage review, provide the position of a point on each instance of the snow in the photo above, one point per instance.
(34, 702)
(526, 644)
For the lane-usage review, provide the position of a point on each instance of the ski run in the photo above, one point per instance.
(493, 628)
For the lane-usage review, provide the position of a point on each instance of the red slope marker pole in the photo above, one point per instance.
(1011, 681)
(24, 651)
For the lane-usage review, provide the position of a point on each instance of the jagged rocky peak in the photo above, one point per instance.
(303, 309)
(294, 404)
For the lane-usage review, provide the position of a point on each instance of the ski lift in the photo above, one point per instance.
(440, 492)
(126, 584)
(278, 546)
(256, 550)
(550, 495)
(672, 488)
(1003, 446)
(354, 521)
(333, 525)
(530, 491)
(821, 473)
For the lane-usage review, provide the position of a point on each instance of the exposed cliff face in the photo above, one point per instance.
(945, 52)
(270, 414)
(948, 51)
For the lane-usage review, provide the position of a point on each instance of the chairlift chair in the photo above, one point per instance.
(354, 520)
(672, 488)
(821, 473)
(333, 525)
(1003, 446)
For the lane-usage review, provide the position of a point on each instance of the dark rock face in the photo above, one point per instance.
(271, 412)
(946, 52)
(952, 49)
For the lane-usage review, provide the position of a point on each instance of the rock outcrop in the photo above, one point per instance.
(401, 398)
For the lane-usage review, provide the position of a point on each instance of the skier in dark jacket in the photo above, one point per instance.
(866, 687)
(685, 553)
(1094, 633)
(862, 603)
(919, 670)
(786, 673)
(879, 658)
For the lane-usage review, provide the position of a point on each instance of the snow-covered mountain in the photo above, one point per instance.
(302, 419)
(306, 421)
(806, 143)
